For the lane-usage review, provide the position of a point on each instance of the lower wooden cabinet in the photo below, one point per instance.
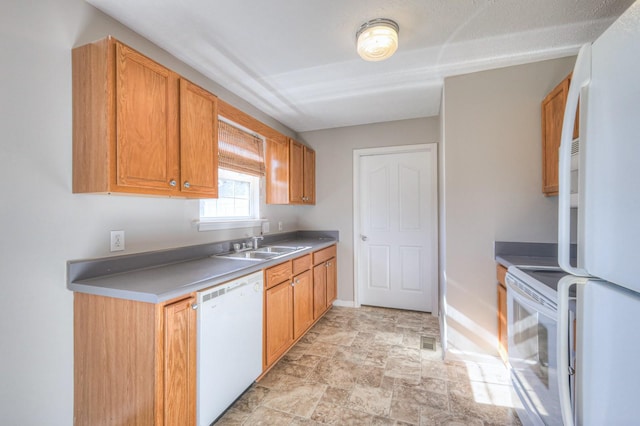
(302, 303)
(502, 312)
(278, 320)
(325, 288)
(297, 294)
(134, 362)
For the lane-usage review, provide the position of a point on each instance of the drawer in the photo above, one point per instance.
(502, 272)
(277, 274)
(301, 264)
(324, 254)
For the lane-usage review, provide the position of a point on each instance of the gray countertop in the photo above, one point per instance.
(163, 275)
(528, 254)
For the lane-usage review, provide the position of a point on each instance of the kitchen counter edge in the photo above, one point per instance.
(139, 284)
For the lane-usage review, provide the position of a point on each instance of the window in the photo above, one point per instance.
(241, 166)
(238, 197)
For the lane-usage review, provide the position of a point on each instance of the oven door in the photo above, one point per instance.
(532, 328)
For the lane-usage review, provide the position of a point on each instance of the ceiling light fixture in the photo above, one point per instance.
(377, 39)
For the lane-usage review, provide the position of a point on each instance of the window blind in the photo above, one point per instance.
(239, 151)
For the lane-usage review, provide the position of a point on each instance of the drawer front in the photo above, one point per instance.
(301, 264)
(502, 272)
(324, 254)
(277, 274)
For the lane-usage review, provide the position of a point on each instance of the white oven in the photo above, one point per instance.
(532, 329)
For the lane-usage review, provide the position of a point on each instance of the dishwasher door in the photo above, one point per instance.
(229, 344)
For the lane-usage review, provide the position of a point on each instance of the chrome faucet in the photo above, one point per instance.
(255, 240)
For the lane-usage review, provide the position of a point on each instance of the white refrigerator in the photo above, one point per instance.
(604, 387)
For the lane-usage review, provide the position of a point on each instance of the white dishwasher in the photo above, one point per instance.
(229, 344)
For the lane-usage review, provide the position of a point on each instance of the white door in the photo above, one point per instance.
(397, 245)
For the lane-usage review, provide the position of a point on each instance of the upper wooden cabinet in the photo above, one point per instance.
(290, 172)
(198, 141)
(552, 117)
(138, 127)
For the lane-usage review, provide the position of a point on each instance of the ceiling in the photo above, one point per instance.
(296, 59)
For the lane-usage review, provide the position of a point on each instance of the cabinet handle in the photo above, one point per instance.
(172, 182)
(187, 184)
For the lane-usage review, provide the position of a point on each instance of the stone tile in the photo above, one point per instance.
(365, 367)
(364, 340)
(351, 354)
(301, 421)
(405, 369)
(434, 385)
(232, 417)
(433, 369)
(278, 380)
(388, 338)
(251, 399)
(332, 414)
(376, 401)
(337, 336)
(431, 416)
(419, 396)
(297, 351)
(322, 349)
(336, 396)
(307, 360)
(264, 416)
(293, 369)
(310, 337)
(488, 413)
(405, 411)
(300, 399)
(370, 376)
(336, 373)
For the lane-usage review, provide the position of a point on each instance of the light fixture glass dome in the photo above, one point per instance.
(377, 39)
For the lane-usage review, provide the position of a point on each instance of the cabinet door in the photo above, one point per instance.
(302, 303)
(309, 176)
(319, 290)
(279, 320)
(296, 172)
(198, 141)
(332, 281)
(147, 146)
(277, 165)
(180, 363)
(502, 322)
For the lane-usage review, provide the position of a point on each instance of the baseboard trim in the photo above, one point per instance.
(344, 303)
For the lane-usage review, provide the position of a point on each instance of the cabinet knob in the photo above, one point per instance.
(172, 182)
(293, 284)
(194, 306)
(187, 184)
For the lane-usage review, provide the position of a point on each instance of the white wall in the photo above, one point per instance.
(492, 187)
(42, 224)
(334, 188)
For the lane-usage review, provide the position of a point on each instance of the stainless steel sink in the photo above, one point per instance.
(263, 253)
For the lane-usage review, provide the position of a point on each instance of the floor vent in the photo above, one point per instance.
(427, 342)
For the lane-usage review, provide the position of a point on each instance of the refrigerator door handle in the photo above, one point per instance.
(564, 369)
(580, 79)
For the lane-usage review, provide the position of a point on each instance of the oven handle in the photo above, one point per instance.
(529, 301)
(563, 345)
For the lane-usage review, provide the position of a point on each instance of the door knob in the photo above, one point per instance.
(363, 237)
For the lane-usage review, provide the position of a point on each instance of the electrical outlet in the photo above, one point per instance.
(117, 240)
(265, 227)
(279, 226)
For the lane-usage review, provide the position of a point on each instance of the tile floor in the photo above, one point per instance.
(365, 367)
